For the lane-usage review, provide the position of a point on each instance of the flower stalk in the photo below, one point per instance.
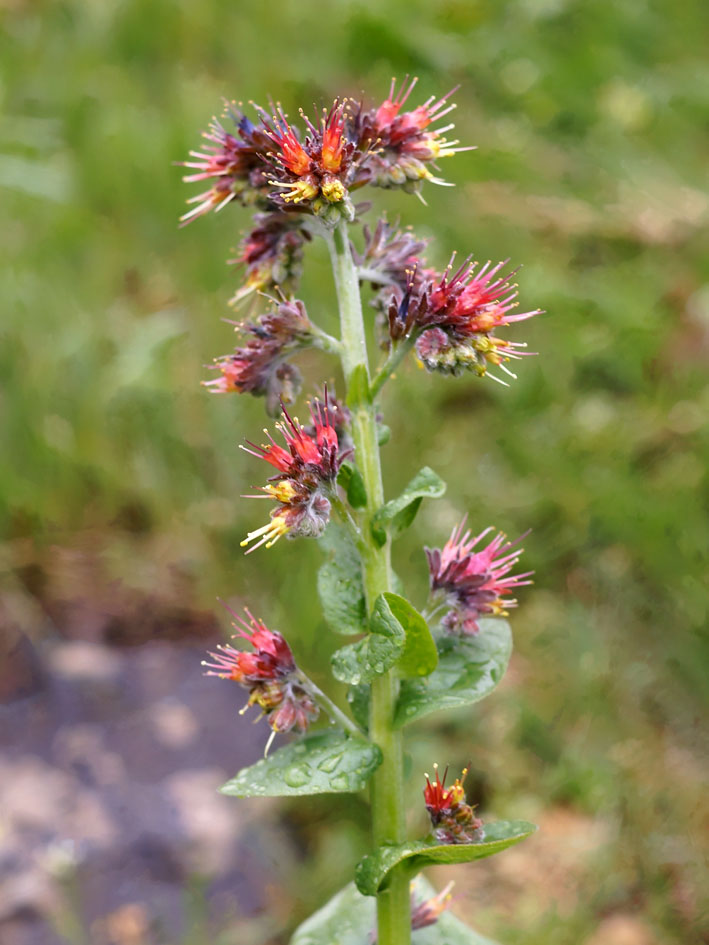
(387, 800)
(299, 182)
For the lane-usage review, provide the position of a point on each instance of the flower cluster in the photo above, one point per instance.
(271, 164)
(390, 258)
(456, 314)
(269, 673)
(232, 162)
(317, 171)
(452, 819)
(473, 582)
(259, 366)
(307, 471)
(403, 144)
(272, 254)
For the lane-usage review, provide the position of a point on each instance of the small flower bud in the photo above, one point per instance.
(452, 819)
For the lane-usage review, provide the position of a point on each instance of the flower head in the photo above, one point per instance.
(473, 582)
(428, 912)
(457, 313)
(232, 161)
(259, 367)
(268, 673)
(316, 171)
(272, 254)
(402, 145)
(453, 820)
(306, 472)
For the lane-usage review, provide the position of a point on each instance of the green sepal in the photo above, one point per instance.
(358, 387)
(349, 918)
(376, 653)
(322, 763)
(383, 434)
(396, 516)
(372, 872)
(420, 655)
(469, 668)
(340, 582)
(350, 478)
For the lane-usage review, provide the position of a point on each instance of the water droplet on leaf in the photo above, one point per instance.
(329, 764)
(297, 775)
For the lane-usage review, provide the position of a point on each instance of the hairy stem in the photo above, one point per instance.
(396, 356)
(388, 820)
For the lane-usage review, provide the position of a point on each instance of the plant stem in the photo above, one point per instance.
(388, 820)
(329, 706)
(396, 356)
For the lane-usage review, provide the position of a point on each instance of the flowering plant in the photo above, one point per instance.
(404, 664)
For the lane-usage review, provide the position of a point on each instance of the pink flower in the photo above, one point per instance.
(268, 673)
(322, 165)
(307, 472)
(474, 582)
(234, 162)
(459, 312)
(272, 254)
(259, 367)
(402, 144)
(428, 912)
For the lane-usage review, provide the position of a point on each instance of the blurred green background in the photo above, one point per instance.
(591, 125)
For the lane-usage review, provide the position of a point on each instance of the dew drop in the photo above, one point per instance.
(379, 668)
(356, 679)
(330, 763)
(411, 709)
(340, 782)
(297, 775)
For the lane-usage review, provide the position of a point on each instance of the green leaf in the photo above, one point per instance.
(376, 653)
(396, 515)
(323, 763)
(419, 656)
(350, 478)
(468, 669)
(349, 918)
(358, 387)
(340, 582)
(372, 871)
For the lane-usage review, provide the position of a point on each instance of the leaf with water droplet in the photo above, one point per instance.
(330, 763)
(349, 919)
(376, 653)
(373, 871)
(419, 656)
(322, 763)
(469, 668)
(340, 582)
(396, 516)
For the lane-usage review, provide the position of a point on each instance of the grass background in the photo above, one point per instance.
(591, 123)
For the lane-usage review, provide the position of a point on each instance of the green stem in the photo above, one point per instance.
(325, 342)
(396, 356)
(388, 816)
(345, 517)
(329, 706)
